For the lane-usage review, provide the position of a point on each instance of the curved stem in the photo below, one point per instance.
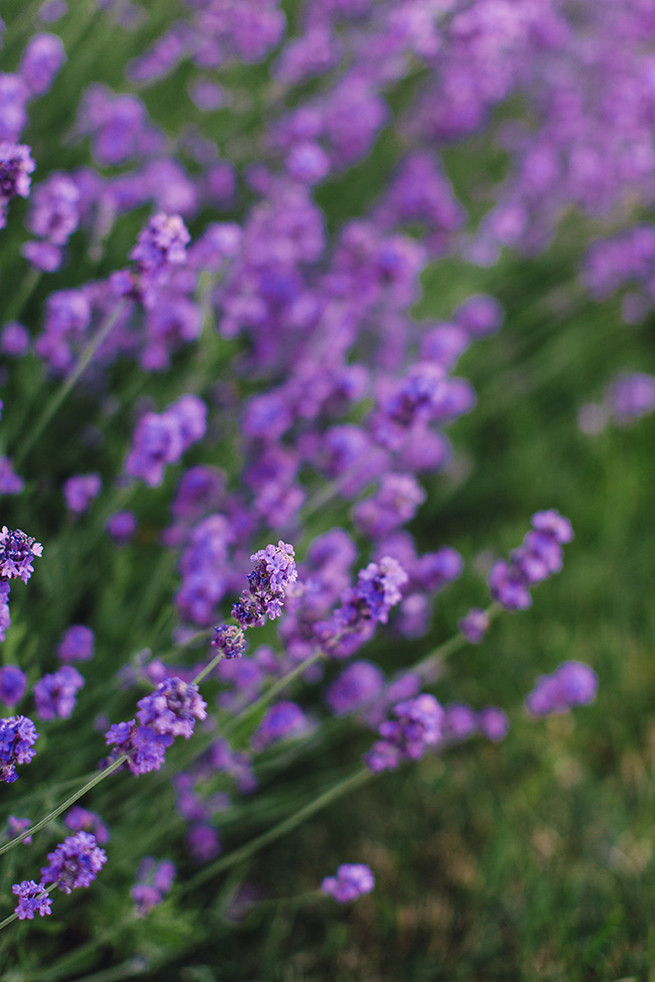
(96, 779)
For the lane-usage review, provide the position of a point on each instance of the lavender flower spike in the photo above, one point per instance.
(17, 738)
(17, 551)
(75, 862)
(173, 709)
(273, 572)
(352, 880)
(32, 899)
(16, 165)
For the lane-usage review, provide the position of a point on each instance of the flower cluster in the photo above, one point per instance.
(418, 725)
(572, 684)
(273, 572)
(75, 863)
(535, 560)
(55, 694)
(17, 738)
(352, 880)
(17, 553)
(16, 166)
(153, 881)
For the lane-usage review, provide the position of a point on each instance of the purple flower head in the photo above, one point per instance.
(17, 551)
(204, 842)
(145, 749)
(474, 625)
(161, 244)
(5, 615)
(56, 694)
(460, 722)
(274, 570)
(358, 685)
(32, 899)
(81, 819)
(17, 738)
(419, 724)
(173, 708)
(509, 587)
(15, 340)
(493, 723)
(352, 881)
(153, 880)
(10, 482)
(230, 640)
(121, 526)
(80, 490)
(16, 165)
(42, 59)
(75, 863)
(572, 684)
(282, 721)
(631, 396)
(480, 315)
(54, 213)
(76, 644)
(13, 683)
(553, 524)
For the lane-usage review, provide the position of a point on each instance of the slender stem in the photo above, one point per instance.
(96, 779)
(449, 647)
(287, 825)
(69, 383)
(15, 306)
(207, 669)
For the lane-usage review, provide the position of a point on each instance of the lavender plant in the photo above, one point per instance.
(248, 395)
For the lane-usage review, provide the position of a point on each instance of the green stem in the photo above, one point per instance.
(449, 647)
(207, 669)
(69, 383)
(288, 825)
(96, 779)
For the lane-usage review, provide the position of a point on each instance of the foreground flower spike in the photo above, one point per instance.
(572, 684)
(32, 899)
(75, 862)
(173, 709)
(17, 551)
(16, 165)
(539, 556)
(274, 571)
(17, 738)
(352, 881)
(160, 247)
(145, 749)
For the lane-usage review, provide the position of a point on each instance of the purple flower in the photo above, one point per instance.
(121, 526)
(419, 724)
(358, 685)
(10, 482)
(474, 625)
(54, 214)
(572, 684)
(352, 881)
(145, 749)
(5, 615)
(162, 439)
(273, 572)
(204, 842)
(153, 880)
(33, 899)
(493, 723)
(15, 340)
(282, 721)
(42, 59)
(81, 819)
(80, 490)
(17, 551)
(76, 644)
(16, 165)
(460, 721)
(13, 683)
(17, 738)
(230, 640)
(173, 709)
(161, 246)
(56, 694)
(75, 863)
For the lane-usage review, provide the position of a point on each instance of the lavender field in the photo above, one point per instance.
(327, 377)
